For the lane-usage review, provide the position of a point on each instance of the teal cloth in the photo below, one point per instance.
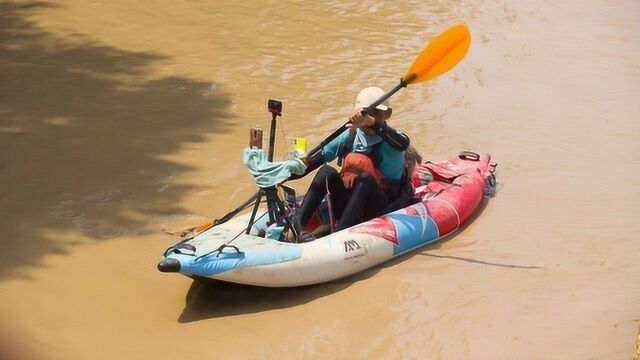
(266, 173)
(274, 231)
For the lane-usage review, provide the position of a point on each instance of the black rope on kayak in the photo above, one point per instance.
(182, 244)
(219, 251)
(230, 215)
(247, 228)
(224, 246)
(176, 249)
(492, 179)
(332, 220)
(291, 217)
(492, 176)
(235, 237)
(215, 222)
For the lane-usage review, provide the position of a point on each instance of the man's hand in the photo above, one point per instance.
(359, 121)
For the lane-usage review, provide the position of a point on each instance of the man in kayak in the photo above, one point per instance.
(372, 179)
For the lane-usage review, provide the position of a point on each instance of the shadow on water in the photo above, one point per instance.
(83, 132)
(207, 299)
(475, 215)
(481, 262)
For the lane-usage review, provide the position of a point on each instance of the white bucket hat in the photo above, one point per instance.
(368, 95)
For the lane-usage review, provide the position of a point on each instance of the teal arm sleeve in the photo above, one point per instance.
(331, 149)
(328, 154)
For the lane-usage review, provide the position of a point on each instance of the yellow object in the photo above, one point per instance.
(300, 146)
(441, 54)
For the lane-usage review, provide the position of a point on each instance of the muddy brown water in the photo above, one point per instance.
(122, 120)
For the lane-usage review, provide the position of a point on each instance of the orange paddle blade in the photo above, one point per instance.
(443, 53)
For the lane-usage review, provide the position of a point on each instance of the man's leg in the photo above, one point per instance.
(366, 195)
(326, 175)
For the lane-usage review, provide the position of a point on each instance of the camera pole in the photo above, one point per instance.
(274, 204)
(275, 108)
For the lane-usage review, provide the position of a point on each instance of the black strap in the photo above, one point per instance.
(190, 249)
(345, 147)
(219, 251)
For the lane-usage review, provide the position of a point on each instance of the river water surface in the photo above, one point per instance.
(121, 121)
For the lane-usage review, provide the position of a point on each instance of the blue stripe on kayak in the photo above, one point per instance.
(209, 265)
(270, 252)
(412, 231)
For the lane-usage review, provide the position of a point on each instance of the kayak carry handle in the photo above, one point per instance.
(469, 155)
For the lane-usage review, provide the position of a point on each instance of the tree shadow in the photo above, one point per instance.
(208, 298)
(83, 133)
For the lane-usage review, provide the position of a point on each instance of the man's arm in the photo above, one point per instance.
(325, 155)
(394, 138)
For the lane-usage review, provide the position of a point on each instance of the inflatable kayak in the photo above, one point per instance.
(226, 252)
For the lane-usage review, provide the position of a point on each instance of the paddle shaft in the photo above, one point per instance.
(341, 129)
